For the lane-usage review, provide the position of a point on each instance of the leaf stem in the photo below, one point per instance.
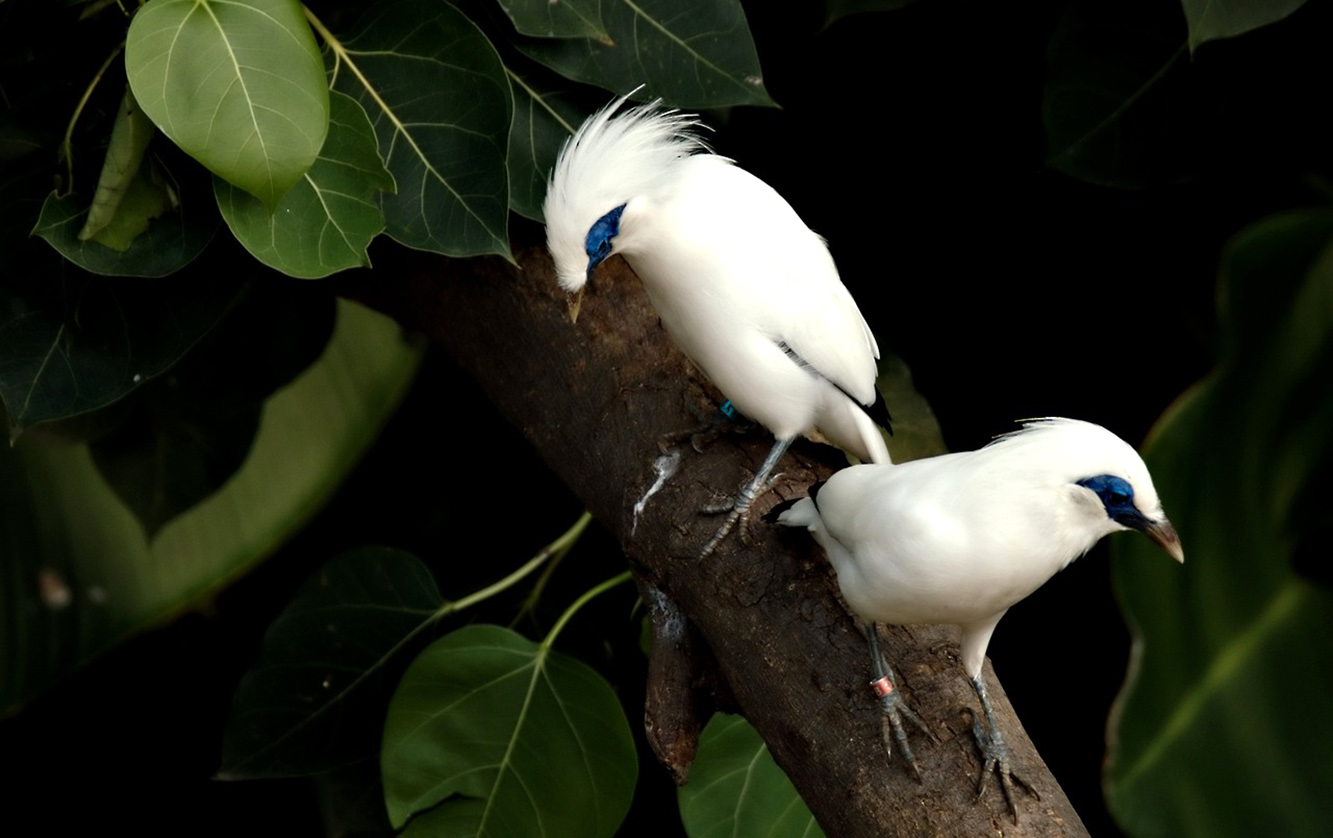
(560, 548)
(67, 145)
(319, 27)
(556, 548)
(579, 603)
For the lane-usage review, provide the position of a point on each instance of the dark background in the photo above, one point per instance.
(914, 142)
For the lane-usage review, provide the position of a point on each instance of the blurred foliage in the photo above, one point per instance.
(1217, 731)
(85, 567)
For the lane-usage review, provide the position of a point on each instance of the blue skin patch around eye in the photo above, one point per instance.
(1118, 497)
(598, 242)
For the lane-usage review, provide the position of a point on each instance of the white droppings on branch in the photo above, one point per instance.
(665, 466)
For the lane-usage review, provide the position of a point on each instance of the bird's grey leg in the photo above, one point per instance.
(994, 750)
(740, 508)
(895, 709)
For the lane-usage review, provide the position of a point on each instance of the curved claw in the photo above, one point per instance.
(894, 707)
(722, 531)
(995, 754)
(891, 724)
(740, 507)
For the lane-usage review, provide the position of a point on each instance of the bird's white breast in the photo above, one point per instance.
(934, 541)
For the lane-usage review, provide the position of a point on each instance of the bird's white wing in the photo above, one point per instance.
(828, 331)
(796, 296)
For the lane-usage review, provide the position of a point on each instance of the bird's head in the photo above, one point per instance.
(607, 177)
(1104, 478)
(1133, 510)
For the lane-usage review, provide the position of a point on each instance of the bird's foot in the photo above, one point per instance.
(738, 514)
(995, 753)
(727, 505)
(891, 723)
(735, 516)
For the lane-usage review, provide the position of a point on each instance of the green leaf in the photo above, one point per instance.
(1210, 20)
(736, 788)
(567, 19)
(237, 84)
(125, 201)
(436, 92)
(693, 55)
(171, 241)
(526, 741)
(542, 123)
(75, 343)
(139, 201)
(315, 700)
(1219, 730)
(79, 573)
(184, 435)
(324, 223)
(1119, 105)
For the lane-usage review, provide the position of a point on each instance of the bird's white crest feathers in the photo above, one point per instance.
(610, 159)
(1078, 449)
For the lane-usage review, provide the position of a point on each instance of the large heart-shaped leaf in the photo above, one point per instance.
(238, 84)
(80, 574)
(171, 240)
(542, 123)
(436, 92)
(694, 55)
(492, 734)
(71, 343)
(1120, 106)
(567, 19)
(1220, 729)
(315, 700)
(736, 788)
(325, 222)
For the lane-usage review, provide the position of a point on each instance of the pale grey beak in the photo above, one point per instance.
(575, 302)
(1165, 536)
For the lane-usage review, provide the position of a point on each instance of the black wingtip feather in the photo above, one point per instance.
(813, 491)
(879, 412)
(771, 516)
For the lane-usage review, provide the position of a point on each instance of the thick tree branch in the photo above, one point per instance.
(766, 631)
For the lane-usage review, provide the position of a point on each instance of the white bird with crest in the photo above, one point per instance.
(744, 287)
(960, 538)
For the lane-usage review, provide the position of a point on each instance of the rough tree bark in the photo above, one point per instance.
(767, 634)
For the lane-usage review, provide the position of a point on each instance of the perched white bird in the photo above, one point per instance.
(744, 287)
(959, 538)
